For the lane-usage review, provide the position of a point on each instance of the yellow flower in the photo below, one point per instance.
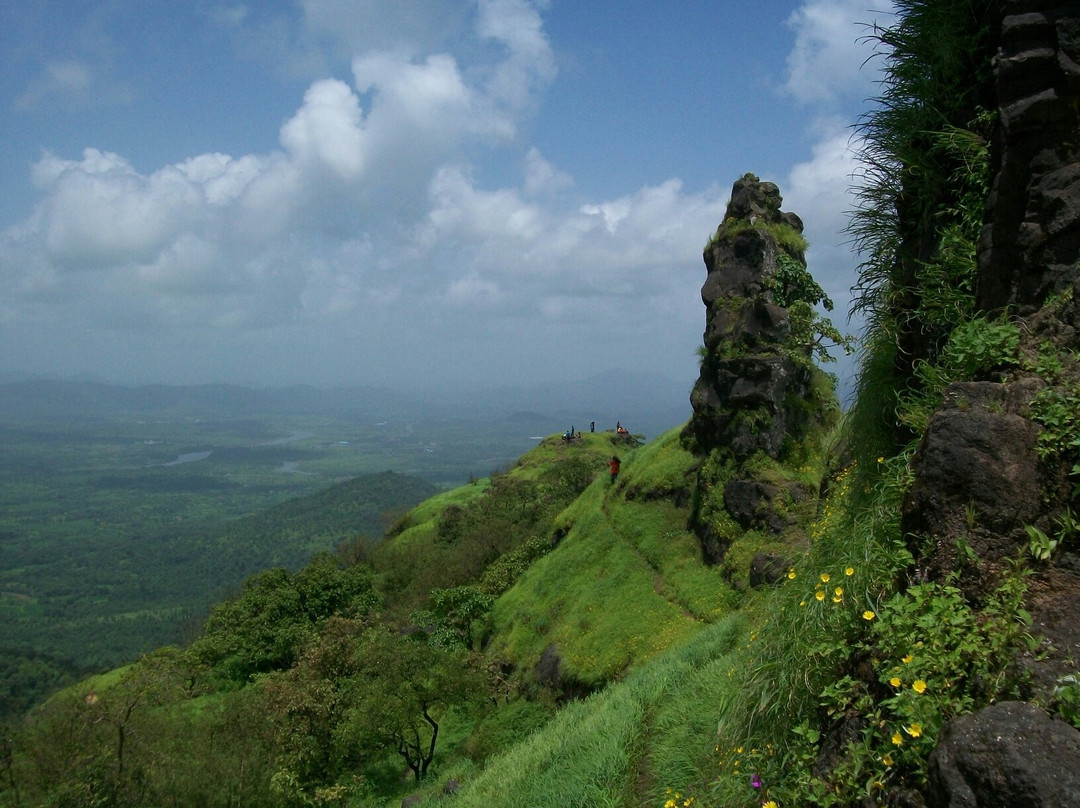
(906, 659)
(881, 460)
(887, 759)
(915, 730)
(837, 599)
(838, 591)
(802, 602)
(849, 571)
(670, 804)
(919, 686)
(791, 574)
(868, 615)
(820, 594)
(769, 804)
(895, 681)
(825, 577)
(897, 739)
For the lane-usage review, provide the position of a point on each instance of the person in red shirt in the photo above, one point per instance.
(613, 464)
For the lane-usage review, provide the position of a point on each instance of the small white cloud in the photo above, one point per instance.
(72, 84)
(228, 16)
(328, 130)
(531, 63)
(542, 178)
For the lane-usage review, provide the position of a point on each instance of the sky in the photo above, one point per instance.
(410, 194)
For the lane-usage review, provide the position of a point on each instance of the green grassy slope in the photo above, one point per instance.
(625, 580)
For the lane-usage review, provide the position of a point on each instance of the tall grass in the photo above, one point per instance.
(919, 190)
(622, 746)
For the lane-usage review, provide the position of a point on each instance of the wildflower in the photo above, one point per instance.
(897, 739)
(791, 574)
(802, 602)
(820, 594)
(849, 571)
(907, 659)
(895, 681)
(887, 759)
(755, 781)
(881, 460)
(825, 577)
(919, 686)
(670, 803)
(868, 615)
(837, 598)
(915, 730)
(770, 804)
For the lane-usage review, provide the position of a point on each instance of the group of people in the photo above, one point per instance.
(614, 464)
(572, 434)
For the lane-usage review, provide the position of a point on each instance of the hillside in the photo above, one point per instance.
(160, 586)
(772, 604)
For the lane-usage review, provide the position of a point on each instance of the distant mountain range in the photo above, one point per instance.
(644, 402)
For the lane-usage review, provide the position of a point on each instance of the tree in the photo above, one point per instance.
(404, 688)
(357, 691)
(277, 614)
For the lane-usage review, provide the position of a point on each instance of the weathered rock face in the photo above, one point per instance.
(743, 398)
(1007, 755)
(1031, 241)
(977, 474)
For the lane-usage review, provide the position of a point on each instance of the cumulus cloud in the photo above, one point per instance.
(370, 224)
(273, 238)
(99, 211)
(327, 130)
(824, 65)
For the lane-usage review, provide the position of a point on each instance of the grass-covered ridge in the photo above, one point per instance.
(474, 625)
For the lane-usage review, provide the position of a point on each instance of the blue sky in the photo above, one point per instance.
(411, 193)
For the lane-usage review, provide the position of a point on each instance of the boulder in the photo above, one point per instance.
(976, 475)
(1005, 756)
(767, 569)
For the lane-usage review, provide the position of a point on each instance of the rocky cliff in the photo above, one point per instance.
(759, 393)
(997, 470)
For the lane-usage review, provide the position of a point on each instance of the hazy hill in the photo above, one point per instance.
(649, 403)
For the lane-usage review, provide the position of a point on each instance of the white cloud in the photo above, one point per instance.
(531, 64)
(542, 178)
(824, 66)
(368, 219)
(327, 130)
(256, 239)
(100, 211)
